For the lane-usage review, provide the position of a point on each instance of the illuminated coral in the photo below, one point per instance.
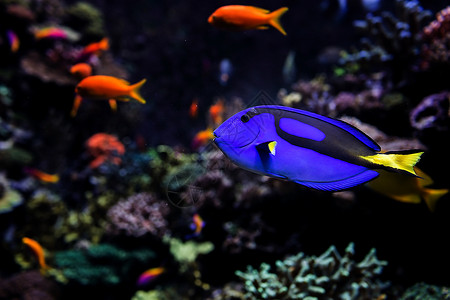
(326, 277)
(102, 264)
(9, 198)
(104, 148)
(391, 40)
(436, 36)
(138, 215)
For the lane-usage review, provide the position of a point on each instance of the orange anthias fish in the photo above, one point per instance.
(196, 225)
(241, 17)
(38, 251)
(216, 112)
(94, 49)
(106, 88)
(406, 188)
(42, 176)
(202, 138)
(193, 109)
(13, 41)
(50, 33)
(81, 70)
(149, 275)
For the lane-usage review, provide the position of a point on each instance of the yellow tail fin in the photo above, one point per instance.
(396, 160)
(134, 91)
(274, 19)
(431, 196)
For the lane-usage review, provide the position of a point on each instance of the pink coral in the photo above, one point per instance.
(138, 215)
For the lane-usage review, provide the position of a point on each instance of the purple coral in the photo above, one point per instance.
(28, 285)
(432, 112)
(138, 215)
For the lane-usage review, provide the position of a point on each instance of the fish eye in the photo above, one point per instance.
(245, 118)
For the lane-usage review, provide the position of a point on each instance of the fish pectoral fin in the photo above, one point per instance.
(113, 104)
(267, 147)
(76, 105)
(262, 27)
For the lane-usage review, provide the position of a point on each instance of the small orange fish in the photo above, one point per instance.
(193, 109)
(196, 225)
(407, 188)
(202, 138)
(81, 70)
(94, 49)
(149, 275)
(216, 112)
(38, 251)
(13, 41)
(106, 88)
(42, 176)
(241, 17)
(50, 33)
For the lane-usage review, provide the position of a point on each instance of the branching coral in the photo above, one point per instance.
(138, 215)
(9, 198)
(436, 37)
(390, 39)
(102, 264)
(329, 276)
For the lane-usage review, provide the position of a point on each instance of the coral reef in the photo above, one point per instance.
(328, 276)
(102, 264)
(9, 198)
(29, 285)
(425, 291)
(391, 40)
(138, 215)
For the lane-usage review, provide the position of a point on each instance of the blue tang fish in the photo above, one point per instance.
(315, 151)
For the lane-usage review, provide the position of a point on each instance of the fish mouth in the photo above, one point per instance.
(217, 139)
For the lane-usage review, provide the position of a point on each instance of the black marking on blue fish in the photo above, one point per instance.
(338, 143)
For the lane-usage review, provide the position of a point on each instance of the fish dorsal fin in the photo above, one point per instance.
(341, 124)
(124, 81)
(261, 10)
(267, 148)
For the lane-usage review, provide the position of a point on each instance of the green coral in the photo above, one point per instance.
(102, 264)
(9, 198)
(423, 291)
(86, 18)
(187, 252)
(326, 277)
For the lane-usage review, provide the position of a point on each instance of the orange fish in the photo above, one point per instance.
(202, 138)
(42, 176)
(216, 112)
(38, 251)
(94, 49)
(81, 70)
(406, 188)
(193, 109)
(13, 41)
(106, 88)
(149, 275)
(50, 33)
(241, 17)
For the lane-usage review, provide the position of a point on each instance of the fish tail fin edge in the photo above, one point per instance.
(134, 91)
(403, 161)
(274, 19)
(431, 197)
